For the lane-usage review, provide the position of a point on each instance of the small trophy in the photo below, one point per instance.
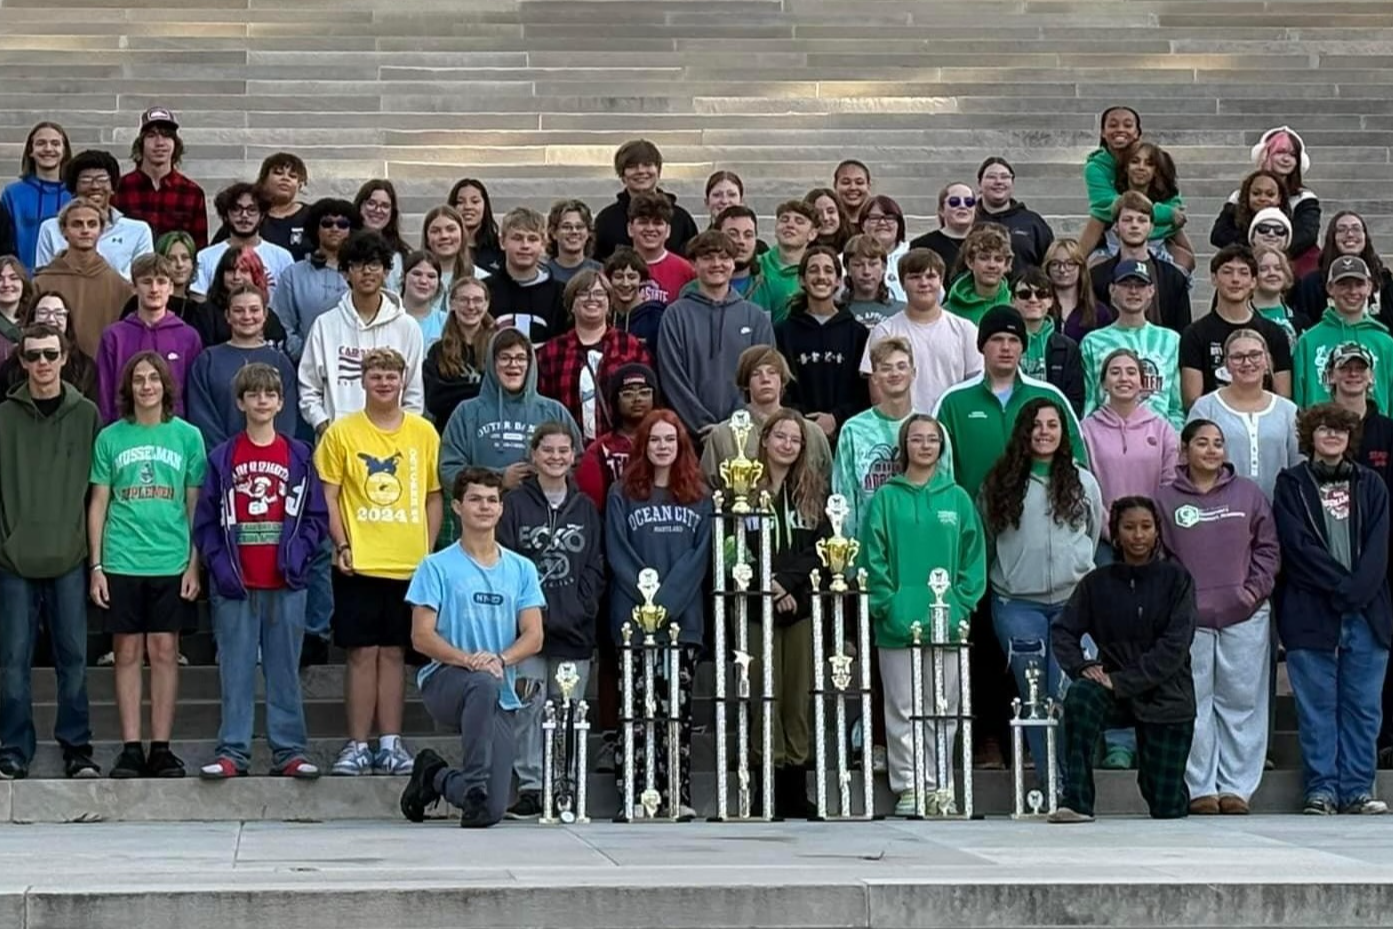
(838, 552)
(649, 617)
(564, 768)
(1034, 713)
(949, 710)
(740, 473)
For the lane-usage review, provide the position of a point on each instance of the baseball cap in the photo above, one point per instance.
(1349, 351)
(158, 115)
(1131, 269)
(1347, 266)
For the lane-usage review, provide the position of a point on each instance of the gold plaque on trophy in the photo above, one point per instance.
(741, 473)
(838, 552)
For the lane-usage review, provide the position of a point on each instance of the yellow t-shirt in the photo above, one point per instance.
(383, 480)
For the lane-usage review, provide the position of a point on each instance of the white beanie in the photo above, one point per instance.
(1269, 214)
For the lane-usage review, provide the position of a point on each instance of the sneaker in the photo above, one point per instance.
(183, 660)
(880, 763)
(1365, 805)
(12, 770)
(1065, 815)
(528, 806)
(420, 792)
(395, 761)
(352, 761)
(299, 768)
(107, 660)
(164, 763)
(905, 805)
(604, 757)
(475, 812)
(220, 769)
(1204, 806)
(79, 766)
(1318, 806)
(130, 763)
(1119, 759)
(1232, 805)
(685, 814)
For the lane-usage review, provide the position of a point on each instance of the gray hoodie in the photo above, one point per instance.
(699, 346)
(1041, 560)
(494, 429)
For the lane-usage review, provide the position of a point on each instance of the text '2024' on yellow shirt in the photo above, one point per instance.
(383, 479)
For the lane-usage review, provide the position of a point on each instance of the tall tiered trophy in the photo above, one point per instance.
(946, 717)
(741, 475)
(1034, 713)
(564, 768)
(837, 555)
(647, 618)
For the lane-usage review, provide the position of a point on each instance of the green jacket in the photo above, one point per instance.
(980, 426)
(963, 299)
(1313, 350)
(908, 531)
(1100, 177)
(45, 464)
(774, 287)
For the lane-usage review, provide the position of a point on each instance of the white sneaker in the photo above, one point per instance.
(107, 660)
(394, 761)
(353, 761)
(905, 806)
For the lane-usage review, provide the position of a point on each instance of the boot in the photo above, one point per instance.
(791, 793)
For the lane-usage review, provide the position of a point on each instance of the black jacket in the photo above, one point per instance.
(567, 546)
(1172, 291)
(795, 556)
(1376, 444)
(210, 322)
(1064, 369)
(826, 363)
(534, 308)
(443, 393)
(945, 245)
(1316, 590)
(1305, 224)
(1142, 620)
(612, 227)
(1031, 236)
(1308, 299)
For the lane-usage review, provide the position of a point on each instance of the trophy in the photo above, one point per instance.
(648, 618)
(1034, 713)
(740, 475)
(837, 555)
(564, 731)
(947, 714)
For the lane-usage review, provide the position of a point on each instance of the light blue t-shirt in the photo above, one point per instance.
(477, 607)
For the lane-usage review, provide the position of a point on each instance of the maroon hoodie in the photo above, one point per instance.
(1226, 539)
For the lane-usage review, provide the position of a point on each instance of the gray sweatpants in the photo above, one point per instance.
(467, 702)
(527, 722)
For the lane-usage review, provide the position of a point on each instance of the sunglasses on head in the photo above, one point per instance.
(1270, 229)
(47, 354)
(329, 222)
(956, 202)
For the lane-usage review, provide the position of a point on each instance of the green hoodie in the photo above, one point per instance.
(1315, 345)
(907, 532)
(45, 464)
(1100, 177)
(963, 299)
(1033, 362)
(775, 286)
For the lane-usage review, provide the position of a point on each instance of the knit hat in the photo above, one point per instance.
(1269, 214)
(1001, 318)
(633, 374)
(1260, 150)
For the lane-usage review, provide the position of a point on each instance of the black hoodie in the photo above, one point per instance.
(612, 227)
(826, 363)
(534, 307)
(1031, 236)
(567, 546)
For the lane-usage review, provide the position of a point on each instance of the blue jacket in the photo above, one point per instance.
(1317, 592)
(30, 201)
(306, 513)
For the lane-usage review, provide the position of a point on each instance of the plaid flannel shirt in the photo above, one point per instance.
(561, 360)
(176, 205)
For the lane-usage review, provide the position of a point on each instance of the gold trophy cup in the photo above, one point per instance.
(740, 473)
(838, 552)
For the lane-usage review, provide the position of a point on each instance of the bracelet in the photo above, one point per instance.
(96, 567)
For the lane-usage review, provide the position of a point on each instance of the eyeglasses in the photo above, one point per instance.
(371, 267)
(1331, 430)
(331, 223)
(957, 202)
(1031, 293)
(469, 302)
(599, 293)
(100, 181)
(376, 207)
(1349, 229)
(879, 219)
(513, 361)
(1058, 265)
(1270, 229)
(32, 355)
(1247, 358)
(243, 209)
(637, 393)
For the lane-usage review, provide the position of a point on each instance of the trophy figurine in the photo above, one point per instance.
(647, 617)
(838, 552)
(1034, 713)
(740, 473)
(565, 729)
(950, 705)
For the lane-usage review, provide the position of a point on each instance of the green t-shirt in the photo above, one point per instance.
(148, 469)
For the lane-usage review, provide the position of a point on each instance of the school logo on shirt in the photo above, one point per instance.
(1189, 516)
(350, 365)
(1334, 499)
(948, 517)
(488, 599)
(382, 486)
(1152, 380)
(882, 466)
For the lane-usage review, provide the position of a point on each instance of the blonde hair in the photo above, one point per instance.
(1262, 251)
(524, 218)
(889, 346)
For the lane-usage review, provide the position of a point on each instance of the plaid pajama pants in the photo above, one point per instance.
(1162, 751)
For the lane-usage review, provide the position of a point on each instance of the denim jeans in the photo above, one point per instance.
(1023, 629)
(319, 603)
(66, 597)
(1339, 705)
(274, 621)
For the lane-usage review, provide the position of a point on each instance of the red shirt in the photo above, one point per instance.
(670, 274)
(259, 478)
(602, 464)
(177, 205)
(569, 372)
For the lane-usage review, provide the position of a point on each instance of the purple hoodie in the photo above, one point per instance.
(1129, 456)
(176, 341)
(1226, 539)
(306, 521)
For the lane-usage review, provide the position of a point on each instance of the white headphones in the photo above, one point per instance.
(1261, 148)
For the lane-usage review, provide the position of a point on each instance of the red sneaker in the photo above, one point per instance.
(298, 768)
(220, 769)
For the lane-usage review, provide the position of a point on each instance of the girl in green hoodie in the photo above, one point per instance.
(1119, 128)
(918, 521)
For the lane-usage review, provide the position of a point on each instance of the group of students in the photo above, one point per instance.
(279, 417)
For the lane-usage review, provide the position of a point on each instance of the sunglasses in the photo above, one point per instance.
(32, 355)
(330, 223)
(1031, 293)
(956, 202)
(1270, 229)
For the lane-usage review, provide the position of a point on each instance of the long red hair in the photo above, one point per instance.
(685, 480)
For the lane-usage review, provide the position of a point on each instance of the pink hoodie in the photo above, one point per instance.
(1130, 456)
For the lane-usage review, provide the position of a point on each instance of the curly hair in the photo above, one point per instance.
(1334, 417)
(1242, 213)
(685, 480)
(1005, 487)
(806, 486)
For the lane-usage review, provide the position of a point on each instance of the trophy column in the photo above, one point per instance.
(1034, 713)
(564, 731)
(951, 707)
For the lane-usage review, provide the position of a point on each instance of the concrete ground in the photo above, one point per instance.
(1256, 871)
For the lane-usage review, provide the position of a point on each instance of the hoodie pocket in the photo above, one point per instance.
(44, 547)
